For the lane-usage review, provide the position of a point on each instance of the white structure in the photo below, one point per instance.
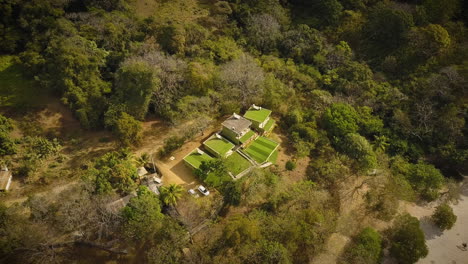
(5, 179)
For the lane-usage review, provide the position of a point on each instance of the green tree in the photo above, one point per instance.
(171, 194)
(341, 119)
(444, 217)
(426, 179)
(213, 172)
(240, 230)
(232, 193)
(365, 248)
(407, 242)
(73, 68)
(270, 252)
(301, 43)
(127, 129)
(7, 144)
(357, 147)
(142, 216)
(135, 83)
(441, 11)
(386, 28)
(114, 170)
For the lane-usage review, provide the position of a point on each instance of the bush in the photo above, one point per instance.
(444, 217)
(170, 145)
(365, 248)
(407, 242)
(290, 165)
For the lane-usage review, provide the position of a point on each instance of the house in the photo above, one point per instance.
(260, 118)
(196, 157)
(237, 129)
(5, 179)
(218, 146)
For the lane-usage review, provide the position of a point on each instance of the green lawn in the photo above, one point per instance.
(15, 89)
(257, 115)
(195, 159)
(247, 136)
(236, 164)
(219, 146)
(269, 125)
(261, 149)
(274, 157)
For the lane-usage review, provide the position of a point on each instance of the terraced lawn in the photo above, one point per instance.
(261, 149)
(257, 115)
(219, 146)
(236, 164)
(195, 159)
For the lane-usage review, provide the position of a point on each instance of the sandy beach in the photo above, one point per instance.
(445, 247)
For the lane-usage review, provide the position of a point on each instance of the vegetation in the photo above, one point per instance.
(171, 194)
(290, 165)
(444, 217)
(369, 95)
(407, 242)
(365, 248)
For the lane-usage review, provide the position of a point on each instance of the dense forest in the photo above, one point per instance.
(368, 91)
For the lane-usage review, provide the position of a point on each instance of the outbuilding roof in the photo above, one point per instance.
(237, 123)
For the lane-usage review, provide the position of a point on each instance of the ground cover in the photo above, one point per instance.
(261, 149)
(247, 136)
(220, 146)
(195, 159)
(257, 115)
(269, 125)
(15, 89)
(236, 164)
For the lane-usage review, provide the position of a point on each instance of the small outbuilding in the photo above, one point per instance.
(5, 179)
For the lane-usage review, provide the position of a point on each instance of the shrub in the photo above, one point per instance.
(444, 217)
(407, 243)
(170, 145)
(290, 165)
(365, 248)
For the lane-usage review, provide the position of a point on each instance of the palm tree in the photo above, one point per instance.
(171, 194)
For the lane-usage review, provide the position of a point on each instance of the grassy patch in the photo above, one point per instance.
(247, 136)
(274, 157)
(269, 125)
(195, 159)
(261, 149)
(219, 146)
(236, 164)
(257, 115)
(16, 90)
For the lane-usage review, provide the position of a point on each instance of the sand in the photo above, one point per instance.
(445, 247)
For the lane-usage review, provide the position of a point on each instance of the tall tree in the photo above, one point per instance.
(171, 194)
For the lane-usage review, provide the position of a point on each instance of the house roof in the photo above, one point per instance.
(196, 158)
(257, 114)
(219, 144)
(237, 123)
(4, 178)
